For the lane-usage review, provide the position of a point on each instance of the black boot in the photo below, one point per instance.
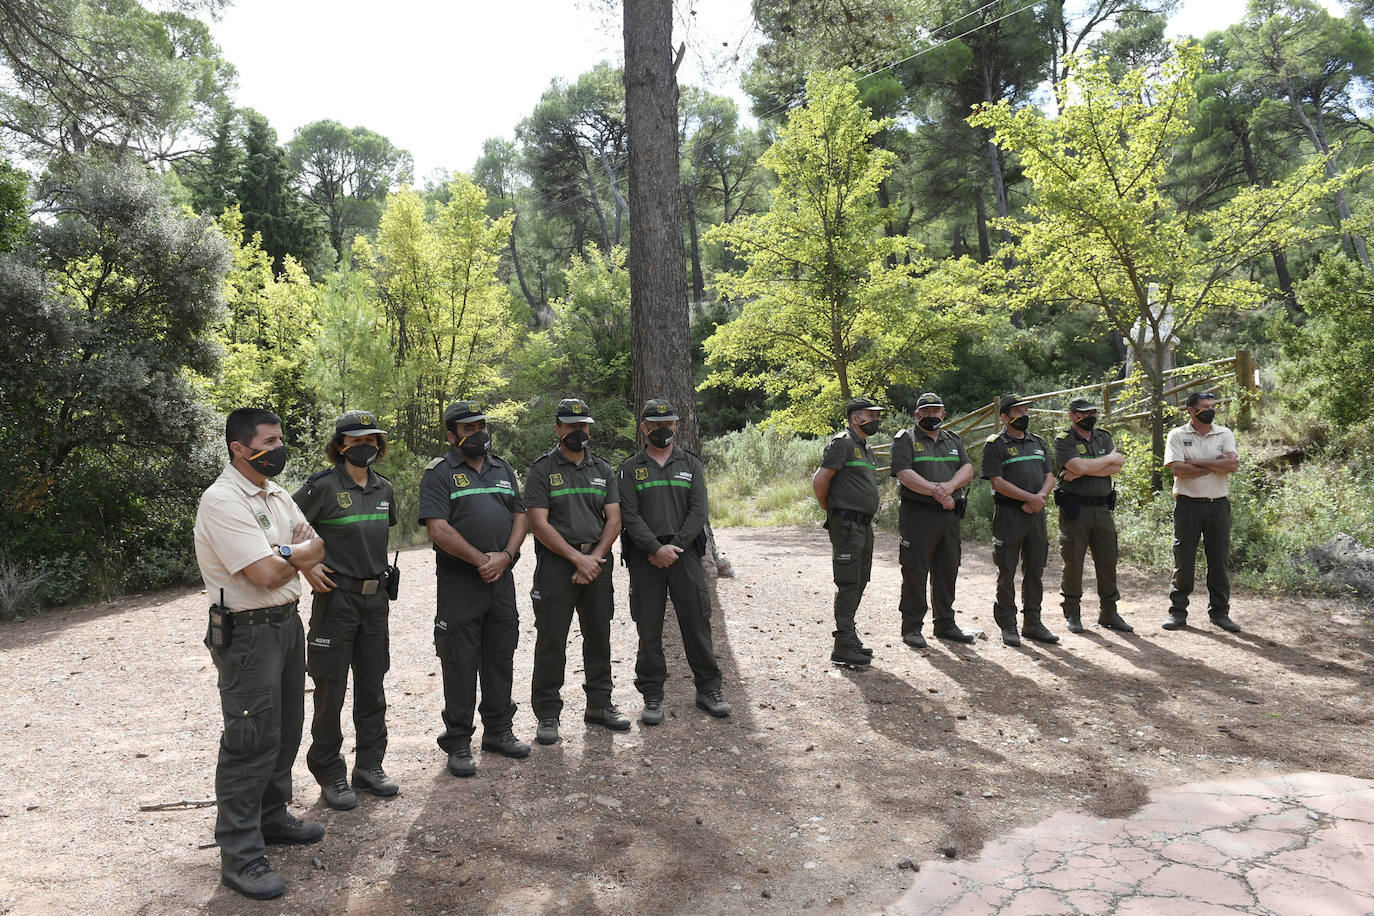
(1006, 622)
(849, 651)
(1034, 629)
(1112, 621)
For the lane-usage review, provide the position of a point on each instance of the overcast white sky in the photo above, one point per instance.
(438, 78)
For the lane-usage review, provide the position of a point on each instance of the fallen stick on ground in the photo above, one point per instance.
(179, 805)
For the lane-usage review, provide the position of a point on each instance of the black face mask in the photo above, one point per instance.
(869, 428)
(361, 455)
(1086, 423)
(268, 463)
(475, 445)
(930, 424)
(1021, 424)
(661, 437)
(1206, 416)
(576, 441)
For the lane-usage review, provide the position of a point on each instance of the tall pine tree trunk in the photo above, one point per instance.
(660, 338)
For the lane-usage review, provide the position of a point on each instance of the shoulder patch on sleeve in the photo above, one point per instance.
(839, 435)
(992, 438)
(435, 463)
(317, 475)
(900, 433)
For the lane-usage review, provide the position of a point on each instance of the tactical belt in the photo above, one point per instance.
(361, 586)
(923, 504)
(1202, 499)
(1006, 500)
(852, 516)
(275, 614)
(1092, 500)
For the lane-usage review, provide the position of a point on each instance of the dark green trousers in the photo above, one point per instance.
(650, 588)
(262, 696)
(476, 630)
(851, 555)
(556, 598)
(1018, 538)
(347, 630)
(930, 549)
(1210, 522)
(1094, 530)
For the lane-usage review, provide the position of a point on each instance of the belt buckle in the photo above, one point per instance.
(369, 587)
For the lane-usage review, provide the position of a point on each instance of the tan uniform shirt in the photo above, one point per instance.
(237, 524)
(1186, 444)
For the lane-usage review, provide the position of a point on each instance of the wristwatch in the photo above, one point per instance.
(285, 551)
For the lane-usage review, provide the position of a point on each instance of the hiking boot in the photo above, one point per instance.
(460, 761)
(1009, 637)
(506, 744)
(1034, 629)
(1074, 624)
(862, 648)
(915, 640)
(952, 633)
(841, 655)
(375, 780)
(1177, 621)
(652, 713)
(547, 732)
(1112, 621)
(338, 795)
(1226, 623)
(293, 832)
(256, 880)
(607, 717)
(715, 704)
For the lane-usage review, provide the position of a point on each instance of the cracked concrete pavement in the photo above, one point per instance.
(1286, 844)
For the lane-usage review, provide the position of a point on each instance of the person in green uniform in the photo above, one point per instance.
(471, 508)
(846, 486)
(1017, 464)
(573, 501)
(352, 506)
(932, 468)
(1086, 459)
(663, 509)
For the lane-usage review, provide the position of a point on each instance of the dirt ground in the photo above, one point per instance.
(805, 800)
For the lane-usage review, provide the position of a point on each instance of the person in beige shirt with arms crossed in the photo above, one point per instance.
(1202, 456)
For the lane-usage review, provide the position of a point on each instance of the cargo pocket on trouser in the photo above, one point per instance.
(847, 546)
(441, 638)
(246, 720)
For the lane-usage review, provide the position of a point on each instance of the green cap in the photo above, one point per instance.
(1008, 402)
(929, 399)
(658, 409)
(463, 412)
(358, 423)
(571, 410)
(1082, 405)
(861, 404)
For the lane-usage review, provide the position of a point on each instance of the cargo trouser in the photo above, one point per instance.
(650, 587)
(851, 556)
(930, 549)
(1210, 521)
(1018, 538)
(1094, 529)
(476, 629)
(555, 598)
(262, 696)
(347, 629)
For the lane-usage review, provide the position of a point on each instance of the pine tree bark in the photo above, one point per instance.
(660, 335)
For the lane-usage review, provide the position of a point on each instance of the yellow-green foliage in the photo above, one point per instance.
(760, 477)
(832, 306)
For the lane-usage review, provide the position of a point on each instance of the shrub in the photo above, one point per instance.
(19, 588)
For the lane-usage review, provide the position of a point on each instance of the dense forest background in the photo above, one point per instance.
(965, 198)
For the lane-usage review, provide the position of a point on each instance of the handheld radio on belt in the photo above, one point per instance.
(393, 578)
(221, 624)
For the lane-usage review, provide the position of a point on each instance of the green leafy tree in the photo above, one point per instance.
(449, 316)
(267, 198)
(346, 174)
(1102, 234)
(14, 205)
(1330, 354)
(213, 178)
(827, 297)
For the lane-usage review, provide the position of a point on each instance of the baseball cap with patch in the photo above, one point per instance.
(658, 409)
(861, 404)
(1010, 401)
(463, 412)
(571, 410)
(1082, 405)
(358, 423)
(929, 399)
